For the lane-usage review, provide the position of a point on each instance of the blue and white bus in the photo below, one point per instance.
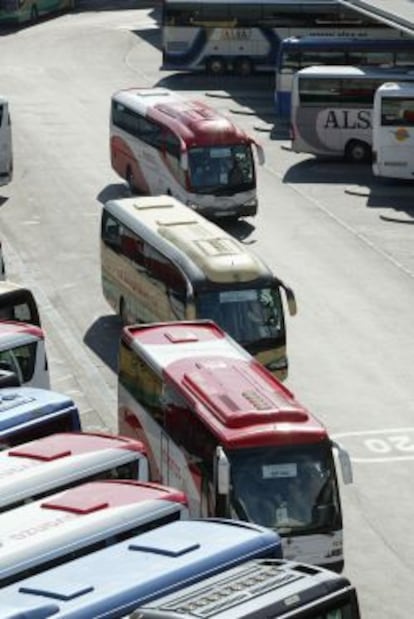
(393, 131)
(27, 413)
(296, 53)
(114, 581)
(66, 525)
(332, 109)
(242, 36)
(259, 590)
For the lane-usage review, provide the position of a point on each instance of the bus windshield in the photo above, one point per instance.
(252, 315)
(295, 488)
(221, 168)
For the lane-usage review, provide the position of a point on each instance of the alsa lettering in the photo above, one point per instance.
(348, 119)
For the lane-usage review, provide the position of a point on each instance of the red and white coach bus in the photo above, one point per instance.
(162, 143)
(80, 520)
(57, 462)
(220, 427)
(23, 352)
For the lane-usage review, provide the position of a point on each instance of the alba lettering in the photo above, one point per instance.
(348, 119)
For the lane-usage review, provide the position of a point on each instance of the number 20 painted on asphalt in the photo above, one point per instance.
(387, 444)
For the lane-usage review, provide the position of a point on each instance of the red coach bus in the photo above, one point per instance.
(220, 427)
(162, 143)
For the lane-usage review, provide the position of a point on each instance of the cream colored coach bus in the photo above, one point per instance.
(162, 261)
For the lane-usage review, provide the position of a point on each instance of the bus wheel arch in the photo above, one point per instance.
(244, 66)
(215, 65)
(357, 151)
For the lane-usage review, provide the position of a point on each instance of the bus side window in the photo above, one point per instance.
(170, 281)
(111, 232)
(173, 155)
(26, 359)
(9, 362)
(129, 470)
(149, 132)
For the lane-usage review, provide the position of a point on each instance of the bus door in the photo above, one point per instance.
(6, 159)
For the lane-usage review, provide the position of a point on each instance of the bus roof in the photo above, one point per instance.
(165, 559)
(17, 333)
(20, 405)
(346, 71)
(59, 459)
(239, 400)
(7, 286)
(44, 530)
(199, 246)
(271, 588)
(397, 89)
(194, 121)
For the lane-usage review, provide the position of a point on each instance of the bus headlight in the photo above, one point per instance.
(251, 203)
(277, 365)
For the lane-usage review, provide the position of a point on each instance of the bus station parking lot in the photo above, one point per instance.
(341, 238)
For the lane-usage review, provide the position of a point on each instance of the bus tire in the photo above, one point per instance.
(215, 65)
(357, 151)
(243, 66)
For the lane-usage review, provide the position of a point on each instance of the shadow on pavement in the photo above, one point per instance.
(103, 337)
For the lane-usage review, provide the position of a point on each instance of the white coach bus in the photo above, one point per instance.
(54, 463)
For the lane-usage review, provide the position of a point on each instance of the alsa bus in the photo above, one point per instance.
(20, 11)
(219, 426)
(18, 303)
(54, 463)
(258, 590)
(162, 143)
(23, 351)
(27, 413)
(296, 53)
(77, 521)
(244, 36)
(6, 150)
(113, 581)
(393, 130)
(332, 106)
(162, 261)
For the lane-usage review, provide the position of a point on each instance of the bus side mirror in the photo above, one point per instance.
(143, 469)
(222, 471)
(260, 153)
(291, 301)
(345, 461)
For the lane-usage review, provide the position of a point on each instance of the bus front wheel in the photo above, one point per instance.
(216, 65)
(357, 151)
(243, 67)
